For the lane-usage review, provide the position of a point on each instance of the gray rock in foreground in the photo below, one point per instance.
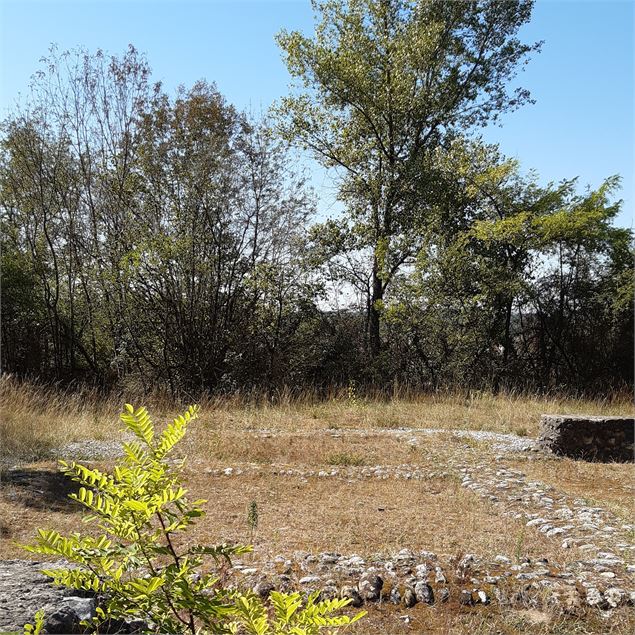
(23, 591)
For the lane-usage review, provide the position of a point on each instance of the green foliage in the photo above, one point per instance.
(198, 267)
(380, 88)
(35, 629)
(139, 562)
(289, 615)
(345, 458)
(351, 394)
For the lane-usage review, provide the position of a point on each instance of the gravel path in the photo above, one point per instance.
(95, 450)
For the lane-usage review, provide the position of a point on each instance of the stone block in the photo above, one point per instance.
(590, 438)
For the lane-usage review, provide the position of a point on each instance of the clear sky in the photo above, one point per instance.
(581, 125)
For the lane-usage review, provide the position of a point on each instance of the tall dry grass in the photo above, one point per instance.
(36, 418)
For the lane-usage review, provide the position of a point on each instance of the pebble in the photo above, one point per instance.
(349, 592)
(466, 598)
(615, 596)
(309, 579)
(370, 585)
(424, 593)
(443, 594)
(439, 577)
(483, 597)
(594, 597)
(409, 597)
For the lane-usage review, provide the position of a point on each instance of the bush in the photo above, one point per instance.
(137, 563)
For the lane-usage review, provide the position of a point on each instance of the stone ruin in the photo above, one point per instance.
(588, 437)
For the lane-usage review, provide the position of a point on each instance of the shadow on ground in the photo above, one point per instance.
(38, 489)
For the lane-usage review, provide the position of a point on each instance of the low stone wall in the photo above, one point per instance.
(588, 437)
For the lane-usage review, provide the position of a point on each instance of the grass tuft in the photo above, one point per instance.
(345, 459)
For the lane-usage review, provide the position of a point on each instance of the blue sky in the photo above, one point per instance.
(581, 124)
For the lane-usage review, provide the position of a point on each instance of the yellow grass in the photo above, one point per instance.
(361, 516)
(33, 419)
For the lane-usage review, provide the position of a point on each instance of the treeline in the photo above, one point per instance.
(154, 240)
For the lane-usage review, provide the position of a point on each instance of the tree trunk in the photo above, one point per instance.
(377, 296)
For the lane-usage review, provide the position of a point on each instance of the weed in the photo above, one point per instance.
(252, 519)
(353, 399)
(138, 563)
(520, 542)
(346, 459)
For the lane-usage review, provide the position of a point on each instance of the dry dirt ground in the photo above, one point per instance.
(486, 510)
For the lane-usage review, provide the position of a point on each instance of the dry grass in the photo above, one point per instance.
(228, 448)
(33, 419)
(453, 619)
(366, 516)
(336, 515)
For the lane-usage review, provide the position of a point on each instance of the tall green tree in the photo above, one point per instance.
(524, 285)
(380, 86)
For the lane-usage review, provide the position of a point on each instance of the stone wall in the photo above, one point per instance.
(588, 437)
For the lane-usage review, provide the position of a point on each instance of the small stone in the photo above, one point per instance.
(328, 558)
(595, 598)
(309, 579)
(483, 598)
(424, 593)
(615, 596)
(405, 554)
(536, 521)
(354, 561)
(329, 593)
(409, 597)
(466, 598)
(351, 593)
(249, 571)
(395, 595)
(370, 585)
(264, 588)
(67, 618)
(607, 574)
(439, 577)
(443, 595)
